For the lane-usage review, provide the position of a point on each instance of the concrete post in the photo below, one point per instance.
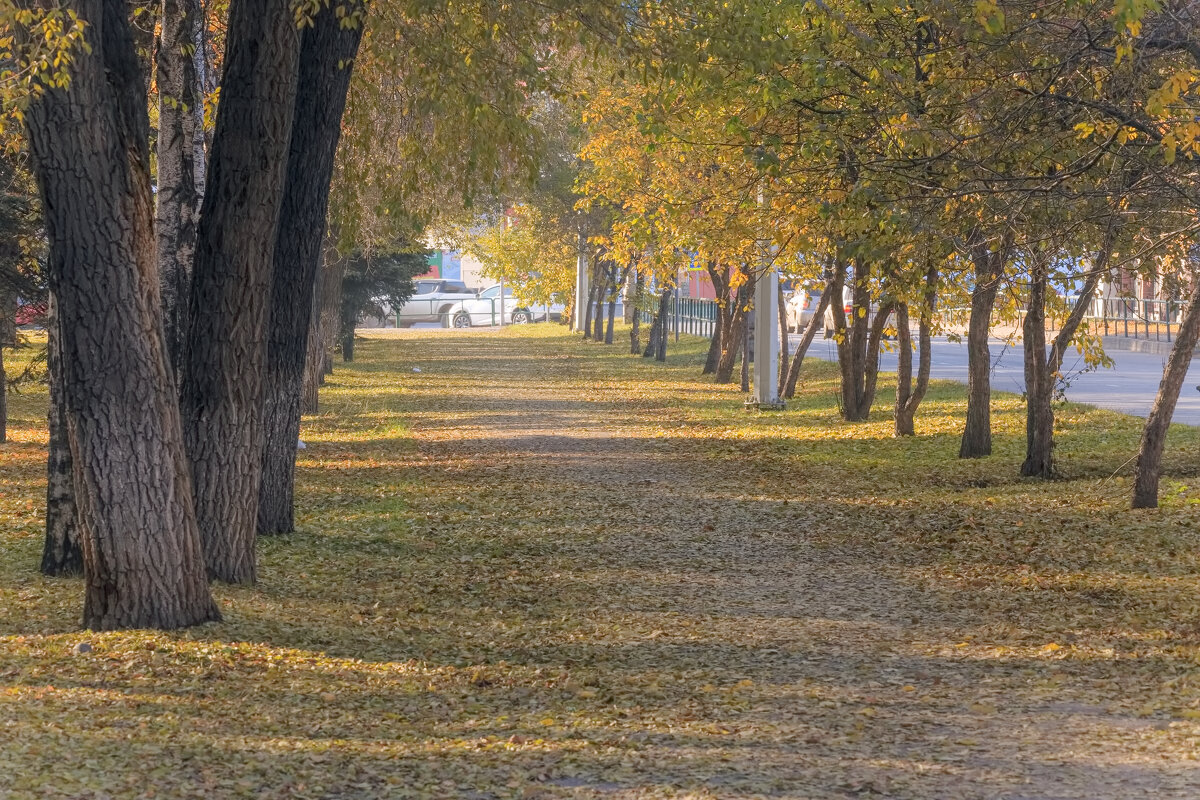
(581, 284)
(766, 341)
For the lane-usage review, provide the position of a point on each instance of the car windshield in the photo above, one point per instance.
(426, 287)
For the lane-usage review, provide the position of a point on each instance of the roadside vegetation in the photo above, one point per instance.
(538, 568)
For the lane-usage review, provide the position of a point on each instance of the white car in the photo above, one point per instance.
(486, 308)
(799, 309)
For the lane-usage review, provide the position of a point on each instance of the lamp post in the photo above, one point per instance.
(765, 394)
(581, 283)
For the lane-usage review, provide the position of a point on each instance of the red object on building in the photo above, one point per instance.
(30, 313)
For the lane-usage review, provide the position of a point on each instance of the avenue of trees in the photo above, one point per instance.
(212, 180)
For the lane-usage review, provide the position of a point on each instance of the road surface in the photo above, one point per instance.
(1129, 386)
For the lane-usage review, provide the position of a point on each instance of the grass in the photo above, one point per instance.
(532, 567)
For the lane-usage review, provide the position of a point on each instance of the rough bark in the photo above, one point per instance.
(62, 553)
(989, 268)
(810, 332)
(177, 199)
(221, 398)
(327, 51)
(143, 561)
(1154, 434)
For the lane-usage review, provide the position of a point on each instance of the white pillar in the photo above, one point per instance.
(581, 284)
(766, 339)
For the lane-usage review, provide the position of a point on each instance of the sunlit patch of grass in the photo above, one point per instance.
(538, 567)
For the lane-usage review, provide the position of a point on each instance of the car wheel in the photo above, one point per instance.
(521, 317)
(462, 320)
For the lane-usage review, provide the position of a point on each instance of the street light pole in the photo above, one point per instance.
(765, 396)
(581, 283)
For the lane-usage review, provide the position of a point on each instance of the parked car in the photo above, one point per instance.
(848, 308)
(432, 302)
(487, 308)
(799, 309)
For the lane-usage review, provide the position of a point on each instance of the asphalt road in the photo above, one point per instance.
(1129, 386)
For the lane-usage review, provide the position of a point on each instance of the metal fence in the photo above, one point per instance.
(692, 315)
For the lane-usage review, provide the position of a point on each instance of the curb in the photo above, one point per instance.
(1140, 345)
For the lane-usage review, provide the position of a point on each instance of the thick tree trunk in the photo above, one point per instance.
(62, 554)
(221, 400)
(1154, 434)
(989, 268)
(327, 52)
(635, 325)
(810, 332)
(143, 561)
(178, 202)
(348, 346)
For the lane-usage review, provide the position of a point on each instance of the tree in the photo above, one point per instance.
(222, 393)
(141, 547)
(327, 51)
(373, 281)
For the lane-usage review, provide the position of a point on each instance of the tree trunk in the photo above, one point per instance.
(635, 326)
(720, 283)
(602, 288)
(734, 332)
(62, 554)
(810, 332)
(8, 303)
(909, 397)
(612, 305)
(989, 268)
(1154, 434)
(1039, 382)
(327, 52)
(143, 561)
(781, 309)
(664, 310)
(348, 346)
(858, 348)
(313, 356)
(222, 391)
(178, 202)
(747, 349)
(593, 291)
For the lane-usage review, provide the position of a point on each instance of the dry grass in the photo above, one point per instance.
(539, 568)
